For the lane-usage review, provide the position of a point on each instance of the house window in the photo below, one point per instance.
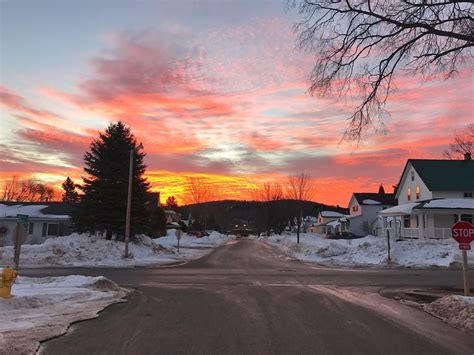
(466, 218)
(468, 194)
(53, 229)
(406, 221)
(409, 194)
(412, 175)
(355, 208)
(417, 192)
(31, 226)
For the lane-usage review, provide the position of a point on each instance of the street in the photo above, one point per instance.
(247, 298)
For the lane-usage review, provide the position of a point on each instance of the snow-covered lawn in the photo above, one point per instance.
(41, 308)
(455, 310)
(92, 251)
(368, 251)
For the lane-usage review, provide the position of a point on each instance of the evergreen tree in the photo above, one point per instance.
(381, 189)
(158, 222)
(104, 203)
(70, 194)
(171, 203)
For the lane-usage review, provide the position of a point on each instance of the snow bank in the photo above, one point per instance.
(41, 308)
(455, 310)
(368, 251)
(92, 251)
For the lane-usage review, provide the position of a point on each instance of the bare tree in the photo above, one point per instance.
(199, 190)
(300, 188)
(269, 191)
(463, 144)
(29, 190)
(362, 44)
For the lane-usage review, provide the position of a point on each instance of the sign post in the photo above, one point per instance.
(463, 233)
(178, 233)
(21, 220)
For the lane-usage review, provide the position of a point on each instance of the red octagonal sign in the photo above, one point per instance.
(463, 232)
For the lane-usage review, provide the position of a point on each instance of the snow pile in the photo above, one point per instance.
(83, 250)
(369, 250)
(457, 311)
(41, 308)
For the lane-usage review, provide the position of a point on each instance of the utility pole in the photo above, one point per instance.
(129, 204)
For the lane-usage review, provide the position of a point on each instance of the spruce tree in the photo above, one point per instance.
(70, 194)
(381, 190)
(104, 203)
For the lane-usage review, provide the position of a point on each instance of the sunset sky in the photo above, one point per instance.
(212, 88)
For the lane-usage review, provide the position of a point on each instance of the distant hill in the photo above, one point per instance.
(223, 215)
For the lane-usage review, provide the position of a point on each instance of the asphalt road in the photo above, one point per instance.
(247, 298)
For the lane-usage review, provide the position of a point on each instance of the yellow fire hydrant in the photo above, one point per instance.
(8, 276)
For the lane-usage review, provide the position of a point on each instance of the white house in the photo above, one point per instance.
(45, 220)
(363, 208)
(432, 196)
(324, 217)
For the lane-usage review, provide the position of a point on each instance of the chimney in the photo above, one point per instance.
(467, 156)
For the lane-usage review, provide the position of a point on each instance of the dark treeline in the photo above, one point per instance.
(263, 217)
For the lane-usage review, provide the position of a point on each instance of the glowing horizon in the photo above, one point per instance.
(210, 92)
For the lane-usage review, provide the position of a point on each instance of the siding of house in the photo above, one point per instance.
(407, 182)
(41, 230)
(449, 194)
(353, 202)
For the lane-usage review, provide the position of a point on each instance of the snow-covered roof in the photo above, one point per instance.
(371, 202)
(33, 211)
(331, 214)
(444, 203)
(402, 209)
(460, 203)
(333, 223)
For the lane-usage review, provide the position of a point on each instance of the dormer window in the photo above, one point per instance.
(417, 192)
(409, 194)
(412, 175)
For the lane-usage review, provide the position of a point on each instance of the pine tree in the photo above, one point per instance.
(381, 189)
(171, 203)
(70, 194)
(104, 203)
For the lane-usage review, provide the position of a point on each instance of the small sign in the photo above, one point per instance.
(178, 233)
(464, 246)
(22, 218)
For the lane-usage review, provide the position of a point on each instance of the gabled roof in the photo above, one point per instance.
(443, 203)
(368, 198)
(443, 175)
(331, 214)
(36, 209)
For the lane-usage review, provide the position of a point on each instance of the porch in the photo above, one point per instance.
(425, 220)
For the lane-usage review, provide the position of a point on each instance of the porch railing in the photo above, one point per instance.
(411, 232)
(431, 233)
(441, 233)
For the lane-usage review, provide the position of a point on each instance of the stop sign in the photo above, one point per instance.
(463, 233)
